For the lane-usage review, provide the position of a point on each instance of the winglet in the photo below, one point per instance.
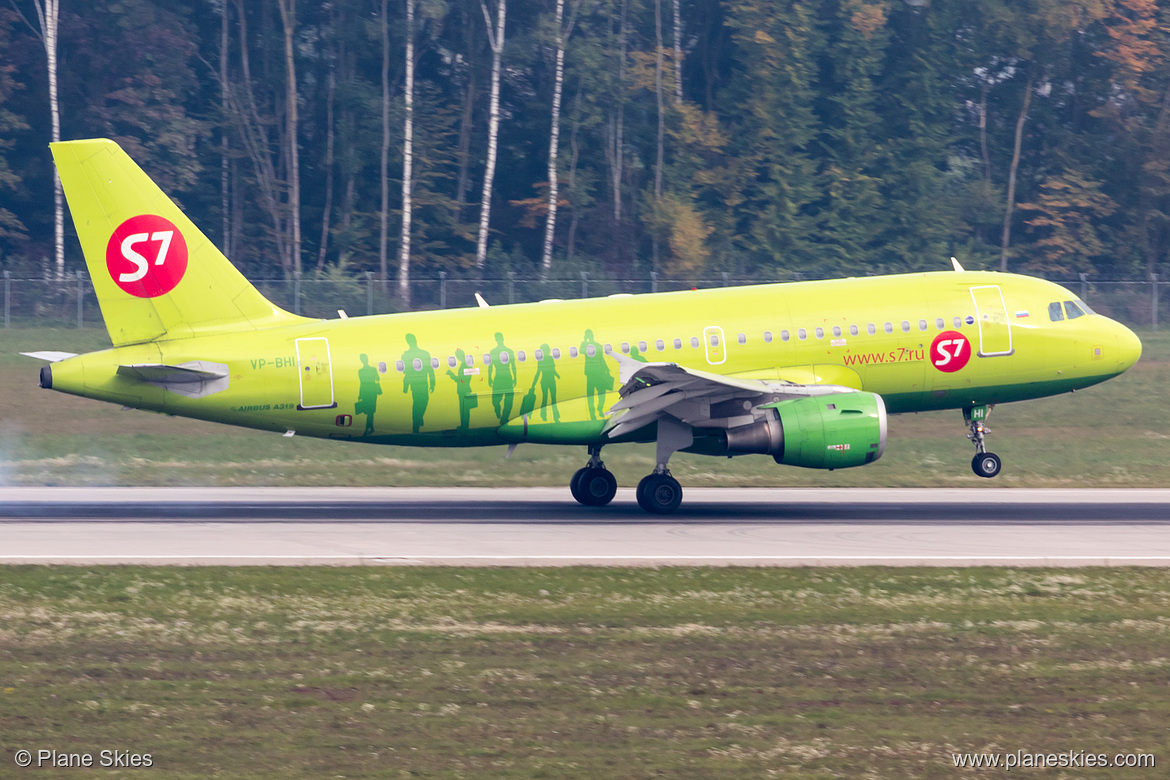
(482, 303)
(955, 263)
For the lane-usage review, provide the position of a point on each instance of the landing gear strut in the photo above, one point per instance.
(593, 485)
(984, 464)
(659, 492)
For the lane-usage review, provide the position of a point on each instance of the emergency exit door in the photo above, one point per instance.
(995, 330)
(316, 374)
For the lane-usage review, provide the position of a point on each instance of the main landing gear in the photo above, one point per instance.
(660, 493)
(593, 485)
(984, 464)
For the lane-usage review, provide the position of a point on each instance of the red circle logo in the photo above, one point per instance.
(950, 351)
(147, 256)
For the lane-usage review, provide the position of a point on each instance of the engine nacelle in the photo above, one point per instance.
(819, 432)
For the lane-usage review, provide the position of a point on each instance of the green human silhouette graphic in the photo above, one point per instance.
(636, 354)
(546, 374)
(467, 399)
(369, 388)
(418, 379)
(502, 378)
(598, 380)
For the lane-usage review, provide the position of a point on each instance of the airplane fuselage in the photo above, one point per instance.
(483, 376)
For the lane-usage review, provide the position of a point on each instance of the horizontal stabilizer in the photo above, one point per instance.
(195, 379)
(50, 356)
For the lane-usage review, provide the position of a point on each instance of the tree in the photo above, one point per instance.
(496, 42)
(1067, 216)
(562, 36)
(10, 225)
(407, 160)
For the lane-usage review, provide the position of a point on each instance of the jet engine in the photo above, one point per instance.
(818, 432)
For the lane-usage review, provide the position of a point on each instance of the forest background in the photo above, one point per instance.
(760, 138)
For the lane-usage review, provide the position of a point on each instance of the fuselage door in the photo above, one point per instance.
(315, 374)
(995, 330)
(714, 346)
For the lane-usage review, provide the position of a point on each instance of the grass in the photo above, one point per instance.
(1114, 434)
(632, 673)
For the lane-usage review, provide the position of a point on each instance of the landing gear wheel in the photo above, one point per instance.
(593, 486)
(986, 464)
(659, 493)
(575, 484)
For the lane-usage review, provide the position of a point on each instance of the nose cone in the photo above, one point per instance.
(1129, 348)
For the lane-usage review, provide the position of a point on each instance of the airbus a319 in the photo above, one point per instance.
(804, 372)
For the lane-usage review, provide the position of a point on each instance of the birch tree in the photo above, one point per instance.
(384, 170)
(407, 161)
(496, 42)
(288, 20)
(47, 13)
(678, 56)
(562, 38)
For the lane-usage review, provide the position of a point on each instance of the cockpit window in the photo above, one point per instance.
(1084, 306)
(1073, 310)
(1054, 312)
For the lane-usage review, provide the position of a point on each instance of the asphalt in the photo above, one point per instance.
(543, 526)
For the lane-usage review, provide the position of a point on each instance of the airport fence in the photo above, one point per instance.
(70, 302)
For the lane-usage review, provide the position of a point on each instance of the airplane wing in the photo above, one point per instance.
(651, 391)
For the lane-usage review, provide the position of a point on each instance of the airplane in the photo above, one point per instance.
(806, 372)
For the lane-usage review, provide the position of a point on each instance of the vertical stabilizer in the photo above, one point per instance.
(156, 275)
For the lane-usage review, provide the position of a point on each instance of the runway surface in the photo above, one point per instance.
(543, 526)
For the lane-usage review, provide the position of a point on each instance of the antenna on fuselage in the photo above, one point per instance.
(955, 263)
(482, 303)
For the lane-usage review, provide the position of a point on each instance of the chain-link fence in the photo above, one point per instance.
(71, 302)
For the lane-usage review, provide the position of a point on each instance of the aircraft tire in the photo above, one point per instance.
(659, 494)
(575, 485)
(986, 464)
(596, 487)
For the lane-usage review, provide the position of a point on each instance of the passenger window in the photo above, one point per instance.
(625, 347)
(487, 360)
(556, 353)
(678, 343)
(1073, 310)
(714, 339)
(871, 329)
(801, 334)
(642, 347)
(572, 352)
(694, 342)
(539, 355)
(417, 363)
(590, 350)
(608, 349)
(452, 362)
(400, 366)
(520, 355)
(958, 322)
(659, 345)
(889, 328)
(742, 338)
(784, 335)
(767, 337)
(820, 333)
(381, 368)
(434, 362)
(940, 323)
(922, 324)
(1055, 313)
(837, 331)
(853, 330)
(905, 326)
(469, 360)
(503, 357)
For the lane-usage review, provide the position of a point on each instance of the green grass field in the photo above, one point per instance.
(1115, 434)
(590, 673)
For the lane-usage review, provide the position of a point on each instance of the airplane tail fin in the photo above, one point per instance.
(156, 275)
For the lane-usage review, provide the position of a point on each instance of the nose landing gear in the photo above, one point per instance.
(593, 485)
(984, 464)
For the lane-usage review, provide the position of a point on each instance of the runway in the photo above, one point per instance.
(543, 526)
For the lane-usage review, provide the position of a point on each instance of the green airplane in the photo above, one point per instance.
(805, 372)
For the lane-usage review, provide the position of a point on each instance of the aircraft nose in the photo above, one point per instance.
(1129, 348)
